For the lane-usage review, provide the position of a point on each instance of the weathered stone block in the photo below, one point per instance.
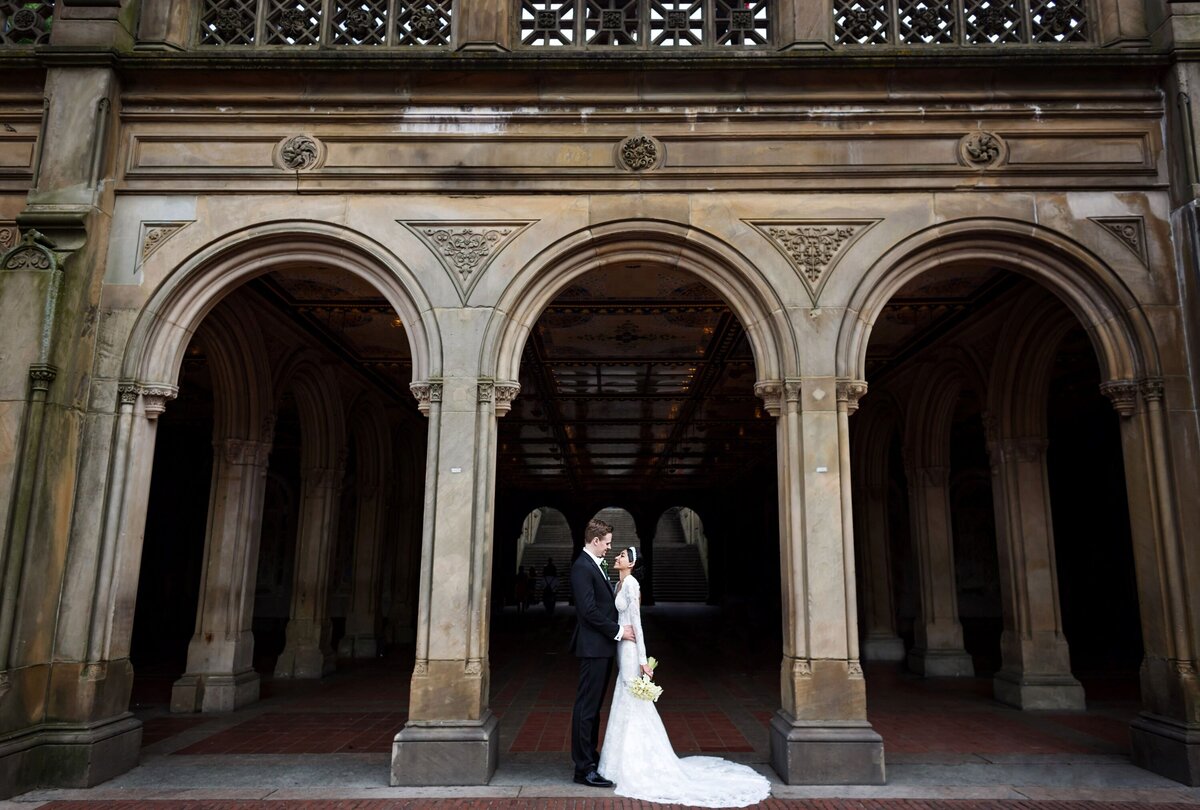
(850, 754)
(462, 753)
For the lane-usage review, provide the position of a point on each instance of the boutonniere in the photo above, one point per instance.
(604, 567)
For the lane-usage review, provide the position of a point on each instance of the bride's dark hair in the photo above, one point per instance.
(632, 555)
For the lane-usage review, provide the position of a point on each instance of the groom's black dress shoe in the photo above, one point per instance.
(594, 780)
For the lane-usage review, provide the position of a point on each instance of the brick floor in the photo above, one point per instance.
(305, 733)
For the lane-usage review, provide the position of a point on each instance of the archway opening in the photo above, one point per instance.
(637, 405)
(987, 470)
(283, 525)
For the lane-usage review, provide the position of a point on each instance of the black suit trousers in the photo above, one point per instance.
(594, 674)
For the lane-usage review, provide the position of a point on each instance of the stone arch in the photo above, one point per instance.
(1112, 315)
(178, 306)
(1020, 382)
(319, 403)
(930, 411)
(752, 298)
(243, 403)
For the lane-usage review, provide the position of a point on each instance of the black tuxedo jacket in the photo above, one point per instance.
(595, 611)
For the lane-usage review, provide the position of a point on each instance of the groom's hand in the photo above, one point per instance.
(628, 634)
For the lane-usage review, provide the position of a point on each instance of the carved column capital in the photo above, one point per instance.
(127, 392)
(1152, 389)
(793, 390)
(506, 392)
(426, 393)
(1023, 449)
(315, 478)
(850, 392)
(771, 393)
(486, 390)
(41, 375)
(1123, 395)
(155, 397)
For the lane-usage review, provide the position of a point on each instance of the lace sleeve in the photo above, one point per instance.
(635, 615)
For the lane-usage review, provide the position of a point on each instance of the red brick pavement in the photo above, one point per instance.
(305, 733)
(599, 804)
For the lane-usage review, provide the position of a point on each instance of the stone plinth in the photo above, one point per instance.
(1166, 747)
(883, 648)
(69, 756)
(810, 754)
(214, 692)
(1031, 691)
(446, 753)
(941, 663)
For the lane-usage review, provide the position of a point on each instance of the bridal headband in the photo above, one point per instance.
(632, 554)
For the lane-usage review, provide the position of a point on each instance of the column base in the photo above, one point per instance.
(850, 754)
(214, 692)
(358, 647)
(68, 756)
(882, 648)
(304, 662)
(1061, 692)
(461, 753)
(1167, 747)
(941, 663)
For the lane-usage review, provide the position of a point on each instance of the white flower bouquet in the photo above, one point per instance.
(643, 687)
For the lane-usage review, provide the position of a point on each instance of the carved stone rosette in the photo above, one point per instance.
(299, 153)
(1123, 394)
(640, 153)
(850, 392)
(982, 150)
(426, 393)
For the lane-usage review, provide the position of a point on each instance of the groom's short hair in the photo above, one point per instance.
(595, 528)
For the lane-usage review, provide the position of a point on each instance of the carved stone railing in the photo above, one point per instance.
(325, 22)
(26, 22)
(960, 22)
(644, 23)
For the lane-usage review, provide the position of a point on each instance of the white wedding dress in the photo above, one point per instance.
(637, 754)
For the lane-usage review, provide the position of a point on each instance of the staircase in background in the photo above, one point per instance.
(678, 571)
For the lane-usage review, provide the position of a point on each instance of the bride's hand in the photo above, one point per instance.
(646, 670)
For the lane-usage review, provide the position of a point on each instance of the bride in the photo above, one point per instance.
(637, 754)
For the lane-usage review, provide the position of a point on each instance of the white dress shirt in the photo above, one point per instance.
(597, 561)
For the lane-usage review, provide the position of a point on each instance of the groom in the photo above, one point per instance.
(595, 643)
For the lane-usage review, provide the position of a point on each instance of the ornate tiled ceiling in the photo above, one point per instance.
(636, 375)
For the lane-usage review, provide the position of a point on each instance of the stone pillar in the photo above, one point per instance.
(452, 737)
(1166, 735)
(880, 640)
(1036, 670)
(820, 735)
(308, 652)
(938, 650)
(363, 620)
(220, 672)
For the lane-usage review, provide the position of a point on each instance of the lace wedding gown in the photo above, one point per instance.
(637, 754)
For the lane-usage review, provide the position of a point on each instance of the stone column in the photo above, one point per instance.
(938, 650)
(308, 652)
(1166, 734)
(363, 620)
(820, 735)
(220, 672)
(880, 640)
(1036, 670)
(452, 737)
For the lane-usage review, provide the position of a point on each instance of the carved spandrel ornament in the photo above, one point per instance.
(982, 150)
(812, 247)
(299, 153)
(466, 249)
(640, 153)
(156, 234)
(1130, 232)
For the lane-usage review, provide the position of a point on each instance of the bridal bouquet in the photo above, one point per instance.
(643, 687)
